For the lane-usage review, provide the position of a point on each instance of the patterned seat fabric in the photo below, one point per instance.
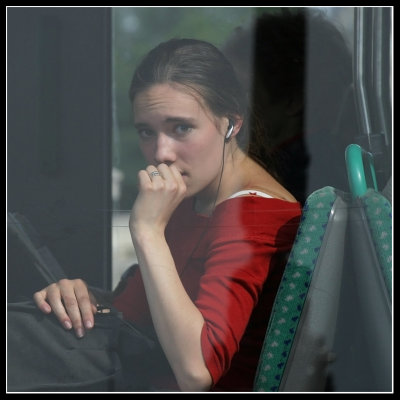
(293, 290)
(379, 215)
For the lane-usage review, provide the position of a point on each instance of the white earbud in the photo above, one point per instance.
(229, 132)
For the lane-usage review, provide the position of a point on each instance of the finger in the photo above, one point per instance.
(178, 179)
(178, 176)
(171, 180)
(54, 298)
(153, 172)
(165, 171)
(71, 305)
(84, 304)
(143, 178)
(40, 301)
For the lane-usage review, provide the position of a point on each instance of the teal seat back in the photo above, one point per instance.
(377, 209)
(295, 351)
(363, 339)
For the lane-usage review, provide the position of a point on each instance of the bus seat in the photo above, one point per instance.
(378, 212)
(375, 206)
(363, 339)
(299, 338)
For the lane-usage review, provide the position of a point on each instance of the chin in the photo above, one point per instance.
(190, 191)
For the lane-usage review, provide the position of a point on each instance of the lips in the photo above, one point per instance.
(185, 176)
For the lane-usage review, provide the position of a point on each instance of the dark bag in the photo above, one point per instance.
(43, 356)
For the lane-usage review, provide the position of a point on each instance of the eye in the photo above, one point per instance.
(145, 134)
(182, 129)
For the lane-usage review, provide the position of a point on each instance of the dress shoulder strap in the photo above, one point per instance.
(249, 192)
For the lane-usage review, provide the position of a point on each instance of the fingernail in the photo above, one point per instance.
(67, 324)
(89, 324)
(79, 332)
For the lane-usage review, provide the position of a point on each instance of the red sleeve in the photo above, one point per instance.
(243, 242)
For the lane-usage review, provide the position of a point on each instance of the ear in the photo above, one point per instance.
(237, 122)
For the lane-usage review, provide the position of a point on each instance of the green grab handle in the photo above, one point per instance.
(360, 170)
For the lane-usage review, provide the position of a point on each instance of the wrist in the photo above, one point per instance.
(142, 235)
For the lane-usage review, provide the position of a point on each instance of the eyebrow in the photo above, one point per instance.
(180, 119)
(140, 125)
(168, 120)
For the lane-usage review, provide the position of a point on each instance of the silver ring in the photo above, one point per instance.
(154, 173)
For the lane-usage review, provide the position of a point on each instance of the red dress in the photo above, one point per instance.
(223, 262)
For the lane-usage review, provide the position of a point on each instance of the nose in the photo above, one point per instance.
(164, 149)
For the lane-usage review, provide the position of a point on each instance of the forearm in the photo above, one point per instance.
(177, 320)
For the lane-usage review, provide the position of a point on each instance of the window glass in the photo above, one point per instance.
(138, 29)
(135, 31)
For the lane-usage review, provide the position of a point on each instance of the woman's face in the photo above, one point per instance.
(174, 128)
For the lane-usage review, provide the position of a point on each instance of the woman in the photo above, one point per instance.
(210, 225)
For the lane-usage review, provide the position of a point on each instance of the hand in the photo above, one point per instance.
(158, 197)
(71, 302)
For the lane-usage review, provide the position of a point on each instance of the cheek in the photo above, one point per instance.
(212, 149)
(201, 155)
(147, 151)
(206, 159)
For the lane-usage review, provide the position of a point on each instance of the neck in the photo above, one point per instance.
(229, 180)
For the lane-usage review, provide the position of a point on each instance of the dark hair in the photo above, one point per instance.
(204, 70)
(197, 65)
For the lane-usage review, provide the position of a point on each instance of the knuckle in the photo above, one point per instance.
(159, 187)
(51, 289)
(181, 189)
(147, 186)
(173, 187)
(79, 283)
(70, 302)
(52, 286)
(37, 296)
(82, 298)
